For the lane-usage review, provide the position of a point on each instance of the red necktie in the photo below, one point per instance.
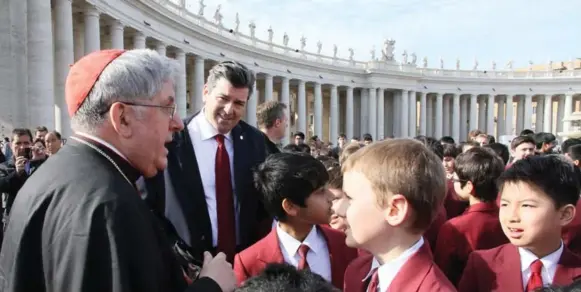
(374, 283)
(224, 202)
(303, 250)
(536, 278)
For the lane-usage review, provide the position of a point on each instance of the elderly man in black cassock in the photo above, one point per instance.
(79, 223)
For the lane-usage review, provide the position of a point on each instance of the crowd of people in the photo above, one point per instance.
(141, 200)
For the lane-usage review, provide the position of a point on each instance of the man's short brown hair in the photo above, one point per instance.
(268, 112)
(473, 134)
(405, 167)
(348, 150)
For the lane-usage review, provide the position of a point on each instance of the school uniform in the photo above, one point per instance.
(571, 233)
(478, 228)
(510, 268)
(432, 233)
(453, 204)
(327, 254)
(413, 270)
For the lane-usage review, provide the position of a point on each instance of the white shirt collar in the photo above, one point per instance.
(549, 262)
(291, 244)
(102, 142)
(206, 129)
(389, 270)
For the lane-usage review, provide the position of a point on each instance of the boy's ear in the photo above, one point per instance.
(567, 214)
(290, 208)
(396, 210)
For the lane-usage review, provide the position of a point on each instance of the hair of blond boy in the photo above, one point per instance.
(406, 167)
(348, 150)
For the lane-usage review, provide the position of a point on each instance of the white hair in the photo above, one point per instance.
(135, 75)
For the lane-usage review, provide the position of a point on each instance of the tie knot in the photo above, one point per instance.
(303, 250)
(220, 139)
(537, 267)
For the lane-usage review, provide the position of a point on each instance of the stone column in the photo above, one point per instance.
(139, 40)
(40, 64)
(413, 119)
(439, 115)
(560, 115)
(251, 105)
(302, 107)
(372, 109)
(405, 114)
(548, 114)
(318, 110)
(456, 117)
(473, 112)
(268, 87)
(539, 114)
(423, 114)
(161, 49)
(446, 115)
(364, 95)
(380, 114)
(500, 120)
(64, 56)
(481, 114)
(568, 109)
(528, 108)
(429, 116)
(509, 120)
(285, 98)
(92, 30)
(116, 33)
(490, 115)
(78, 36)
(520, 114)
(349, 113)
(181, 90)
(198, 84)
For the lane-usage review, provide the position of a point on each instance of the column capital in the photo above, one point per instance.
(161, 44)
(91, 10)
(116, 24)
(180, 53)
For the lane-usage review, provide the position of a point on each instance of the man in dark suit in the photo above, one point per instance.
(207, 190)
(272, 120)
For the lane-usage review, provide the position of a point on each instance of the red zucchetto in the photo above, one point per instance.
(83, 75)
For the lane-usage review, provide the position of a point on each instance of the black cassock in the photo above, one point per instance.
(78, 224)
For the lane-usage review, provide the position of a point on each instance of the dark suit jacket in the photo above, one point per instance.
(453, 204)
(249, 151)
(254, 259)
(271, 147)
(499, 269)
(478, 228)
(418, 274)
(432, 233)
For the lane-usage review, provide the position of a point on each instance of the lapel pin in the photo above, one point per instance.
(241, 137)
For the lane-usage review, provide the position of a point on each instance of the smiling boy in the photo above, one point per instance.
(538, 198)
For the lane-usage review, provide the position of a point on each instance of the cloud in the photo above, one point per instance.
(499, 30)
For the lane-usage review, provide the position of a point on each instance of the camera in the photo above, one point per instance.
(26, 153)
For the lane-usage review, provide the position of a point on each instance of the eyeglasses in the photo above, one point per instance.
(171, 109)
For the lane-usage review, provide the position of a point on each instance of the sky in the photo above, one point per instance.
(486, 30)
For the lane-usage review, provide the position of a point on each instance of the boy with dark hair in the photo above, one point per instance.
(293, 186)
(335, 185)
(285, 278)
(569, 143)
(538, 198)
(478, 227)
(393, 189)
(447, 140)
(521, 147)
(501, 150)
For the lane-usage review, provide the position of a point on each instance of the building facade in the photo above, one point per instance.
(327, 95)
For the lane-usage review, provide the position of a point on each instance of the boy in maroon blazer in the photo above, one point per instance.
(476, 171)
(393, 190)
(538, 197)
(294, 191)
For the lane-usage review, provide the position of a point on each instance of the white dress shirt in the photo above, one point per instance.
(549, 265)
(387, 272)
(205, 145)
(317, 257)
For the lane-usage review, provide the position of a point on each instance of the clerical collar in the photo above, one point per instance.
(121, 160)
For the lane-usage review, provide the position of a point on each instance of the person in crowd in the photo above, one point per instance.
(341, 142)
(501, 150)
(293, 186)
(209, 170)
(538, 198)
(299, 138)
(79, 224)
(367, 139)
(282, 277)
(41, 131)
(521, 147)
(7, 149)
(38, 151)
(447, 140)
(545, 143)
(335, 185)
(568, 143)
(53, 141)
(526, 132)
(291, 148)
(453, 204)
(465, 146)
(393, 191)
(304, 148)
(473, 134)
(478, 227)
(574, 154)
(272, 121)
(354, 139)
(482, 139)
(348, 151)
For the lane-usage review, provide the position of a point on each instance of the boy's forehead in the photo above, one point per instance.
(522, 190)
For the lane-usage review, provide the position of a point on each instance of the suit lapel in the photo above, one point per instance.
(269, 251)
(241, 166)
(414, 271)
(335, 250)
(509, 269)
(568, 268)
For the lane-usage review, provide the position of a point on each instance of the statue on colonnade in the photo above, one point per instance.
(237, 22)
(285, 39)
(425, 62)
(218, 15)
(372, 53)
(351, 53)
(475, 64)
(252, 27)
(388, 48)
(334, 51)
(405, 57)
(319, 47)
(303, 43)
(270, 34)
(414, 59)
(457, 63)
(509, 65)
(201, 8)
